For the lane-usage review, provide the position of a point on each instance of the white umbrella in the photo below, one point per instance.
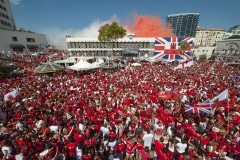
(48, 67)
(135, 64)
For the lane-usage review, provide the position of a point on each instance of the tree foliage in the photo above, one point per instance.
(5, 68)
(183, 45)
(111, 32)
(234, 37)
(202, 57)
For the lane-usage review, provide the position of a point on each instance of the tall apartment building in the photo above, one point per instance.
(209, 37)
(6, 15)
(184, 24)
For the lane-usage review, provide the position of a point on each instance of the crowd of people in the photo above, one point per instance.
(121, 114)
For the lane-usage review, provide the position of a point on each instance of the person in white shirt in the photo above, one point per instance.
(104, 129)
(6, 150)
(181, 146)
(54, 128)
(81, 126)
(111, 143)
(39, 124)
(158, 125)
(19, 156)
(148, 139)
(79, 152)
(19, 125)
(202, 126)
(169, 131)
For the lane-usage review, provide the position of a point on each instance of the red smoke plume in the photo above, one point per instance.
(149, 26)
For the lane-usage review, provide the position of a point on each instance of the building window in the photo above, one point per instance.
(14, 39)
(30, 40)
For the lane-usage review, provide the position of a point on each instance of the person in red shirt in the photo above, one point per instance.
(79, 136)
(145, 153)
(120, 148)
(130, 146)
(161, 156)
(71, 148)
(205, 140)
(159, 146)
(87, 156)
(20, 142)
(139, 148)
(38, 144)
(171, 150)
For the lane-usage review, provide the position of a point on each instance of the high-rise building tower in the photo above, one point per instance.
(184, 24)
(6, 16)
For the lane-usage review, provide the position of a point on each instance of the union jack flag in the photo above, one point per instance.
(198, 109)
(167, 48)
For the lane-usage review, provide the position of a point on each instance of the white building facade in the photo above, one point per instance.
(22, 41)
(228, 47)
(200, 51)
(209, 37)
(18, 40)
(93, 47)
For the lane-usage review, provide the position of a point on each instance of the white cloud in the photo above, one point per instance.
(57, 36)
(16, 2)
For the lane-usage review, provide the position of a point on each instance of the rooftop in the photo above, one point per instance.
(183, 14)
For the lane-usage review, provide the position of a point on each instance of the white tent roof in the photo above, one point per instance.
(82, 65)
(98, 62)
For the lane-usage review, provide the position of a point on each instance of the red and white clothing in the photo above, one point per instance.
(139, 146)
(130, 147)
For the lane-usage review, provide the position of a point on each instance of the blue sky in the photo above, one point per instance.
(82, 18)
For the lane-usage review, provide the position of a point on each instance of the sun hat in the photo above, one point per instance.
(215, 129)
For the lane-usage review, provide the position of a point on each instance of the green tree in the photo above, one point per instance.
(110, 33)
(202, 57)
(234, 37)
(183, 46)
(5, 68)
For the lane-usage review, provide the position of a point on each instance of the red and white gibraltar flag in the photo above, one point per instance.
(10, 95)
(184, 64)
(220, 98)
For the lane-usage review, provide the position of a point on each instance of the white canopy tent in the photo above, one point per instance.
(83, 65)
